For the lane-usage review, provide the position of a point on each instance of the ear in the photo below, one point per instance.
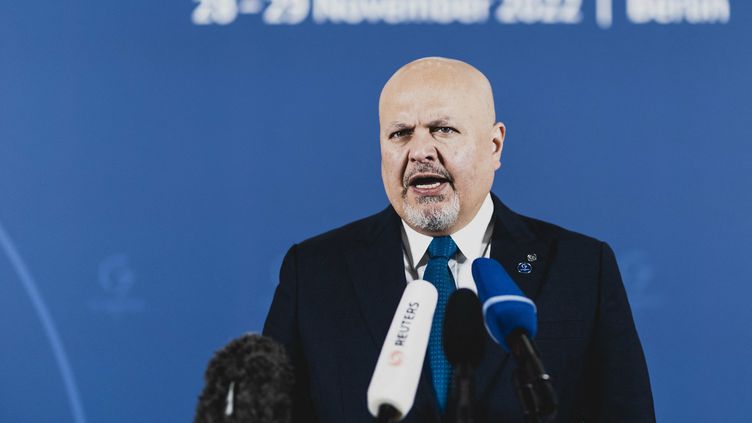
(498, 133)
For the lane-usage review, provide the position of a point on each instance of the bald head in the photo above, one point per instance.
(440, 144)
(439, 73)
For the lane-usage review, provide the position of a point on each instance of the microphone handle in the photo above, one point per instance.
(387, 414)
(527, 397)
(534, 385)
(461, 406)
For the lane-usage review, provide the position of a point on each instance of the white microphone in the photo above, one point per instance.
(395, 379)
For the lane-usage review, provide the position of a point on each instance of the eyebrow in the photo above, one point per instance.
(442, 121)
(399, 125)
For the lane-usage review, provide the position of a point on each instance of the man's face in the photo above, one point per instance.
(439, 150)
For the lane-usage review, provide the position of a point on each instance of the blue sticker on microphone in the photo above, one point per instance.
(524, 267)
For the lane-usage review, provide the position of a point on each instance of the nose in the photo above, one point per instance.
(423, 148)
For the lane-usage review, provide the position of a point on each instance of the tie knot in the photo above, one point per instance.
(442, 246)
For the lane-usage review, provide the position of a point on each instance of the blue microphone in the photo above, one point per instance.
(511, 320)
(505, 307)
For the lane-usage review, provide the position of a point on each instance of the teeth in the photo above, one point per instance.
(428, 186)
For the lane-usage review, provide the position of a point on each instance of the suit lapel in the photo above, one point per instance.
(511, 243)
(377, 274)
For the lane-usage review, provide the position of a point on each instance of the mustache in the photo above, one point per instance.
(426, 168)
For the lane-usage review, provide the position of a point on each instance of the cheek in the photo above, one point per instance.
(468, 168)
(391, 176)
(391, 163)
(462, 164)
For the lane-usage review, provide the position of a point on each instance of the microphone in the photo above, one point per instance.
(505, 307)
(464, 341)
(511, 320)
(249, 380)
(394, 383)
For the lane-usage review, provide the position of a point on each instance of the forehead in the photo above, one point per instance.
(427, 90)
(425, 102)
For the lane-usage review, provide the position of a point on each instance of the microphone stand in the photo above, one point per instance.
(534, 390)
(527, 397)
(461, 407)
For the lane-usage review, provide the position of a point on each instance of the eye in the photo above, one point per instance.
(445, 130)
(401, 133)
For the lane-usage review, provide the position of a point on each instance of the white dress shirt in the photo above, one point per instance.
(473, 241)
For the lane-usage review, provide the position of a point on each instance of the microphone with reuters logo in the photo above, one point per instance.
(395, 379)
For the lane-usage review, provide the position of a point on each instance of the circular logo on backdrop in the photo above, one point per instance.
(117, 279)
(115, 275)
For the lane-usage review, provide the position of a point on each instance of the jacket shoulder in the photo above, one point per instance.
(571, 246)
(548, 230)
(523, 227)
(348, 235)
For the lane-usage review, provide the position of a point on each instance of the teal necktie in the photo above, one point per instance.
(437, 272)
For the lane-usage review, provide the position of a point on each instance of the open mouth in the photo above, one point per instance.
(427, 184)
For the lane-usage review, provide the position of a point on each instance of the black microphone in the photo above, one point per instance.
(512, 322)
(249, 380)
(464, 341)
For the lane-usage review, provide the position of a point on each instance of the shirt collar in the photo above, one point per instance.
(469, 239)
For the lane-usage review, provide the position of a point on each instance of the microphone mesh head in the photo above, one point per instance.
(262, 379)
(464, 334)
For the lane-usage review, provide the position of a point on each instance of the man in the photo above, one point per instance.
(440, 147)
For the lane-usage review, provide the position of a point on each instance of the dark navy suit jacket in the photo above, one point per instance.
(338, 292)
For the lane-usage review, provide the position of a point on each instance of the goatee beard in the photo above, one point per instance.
(433, 216)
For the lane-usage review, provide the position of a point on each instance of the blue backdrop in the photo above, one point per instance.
(157, 159)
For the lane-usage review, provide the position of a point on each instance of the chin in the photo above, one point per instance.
(432, 214)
